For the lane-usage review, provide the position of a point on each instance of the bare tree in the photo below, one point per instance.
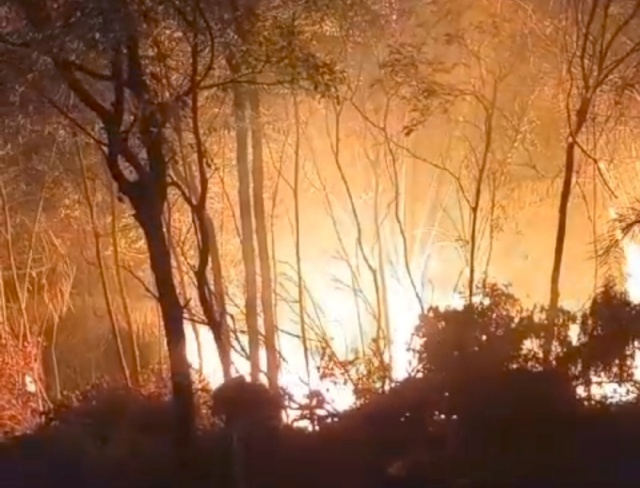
(192, 178)
(603, 49)
(110, 78)
(467, 89)
(262, 238)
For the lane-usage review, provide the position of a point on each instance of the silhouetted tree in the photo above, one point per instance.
(603, 51)
(105, 56)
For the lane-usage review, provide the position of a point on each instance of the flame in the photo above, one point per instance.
(338, 310)
(202, 354)
(342, 316)
(631, 251)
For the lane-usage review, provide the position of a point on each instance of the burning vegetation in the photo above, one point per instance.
(272, 243)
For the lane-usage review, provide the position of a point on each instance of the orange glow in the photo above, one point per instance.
(336, 307)
(341, 316)
(632, 268)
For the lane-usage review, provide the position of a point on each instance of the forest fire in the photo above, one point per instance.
(336, 304)
(392, 209)
(344, 321)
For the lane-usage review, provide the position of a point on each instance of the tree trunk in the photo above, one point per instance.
(382, 314)
(561, 233)
(246, 219)
(214, 315)
(296, 217)
(477, 198)
(224, 341)
(108, 300)
(54, 360)
(126, 307)
(150, 220)
(182, 282)
(266, 292)
(558, 252)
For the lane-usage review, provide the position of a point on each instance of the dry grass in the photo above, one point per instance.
(19, 408)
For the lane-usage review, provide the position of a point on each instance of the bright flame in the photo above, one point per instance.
(30, 384)
(339, 313)
(346, 317)
(632, 272)
(342, 315)
(292, 376)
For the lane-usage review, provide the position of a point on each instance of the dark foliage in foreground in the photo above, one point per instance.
(481, 413)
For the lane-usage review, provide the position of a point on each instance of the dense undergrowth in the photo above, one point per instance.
(479, 412)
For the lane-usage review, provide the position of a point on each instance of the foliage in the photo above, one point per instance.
(479, 410)
(486, 337)
(496, 421)
(367, 372)
(238, 403)
(607, 340)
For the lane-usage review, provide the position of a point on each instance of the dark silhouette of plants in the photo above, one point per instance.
(487, 336)
(607, 339)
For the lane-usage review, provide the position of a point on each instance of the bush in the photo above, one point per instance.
(107, 435)
(608, 336)
(481, 410)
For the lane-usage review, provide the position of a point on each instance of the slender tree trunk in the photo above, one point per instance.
(179, 268)
(384, 299)
(262, 240)
(207, 298)
(97, 245)
(126, 307)
(211, 301)
(561, 232)
(298, 246)
(246, 219)
(4, 327)
(25, 331)
(54, 360)
(479, 190)
(224, 345)
(274, 248)
(558, 252)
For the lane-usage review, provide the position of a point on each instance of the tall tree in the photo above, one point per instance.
(192, 179)
(242, 116)
(603, 50)
(106, 56)
(262, 239)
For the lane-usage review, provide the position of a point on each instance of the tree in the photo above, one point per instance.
(271, 47)
(603, 50)
(192, 179)
(461, 76)
(262, 239)
(89, 196)
(105, 56)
